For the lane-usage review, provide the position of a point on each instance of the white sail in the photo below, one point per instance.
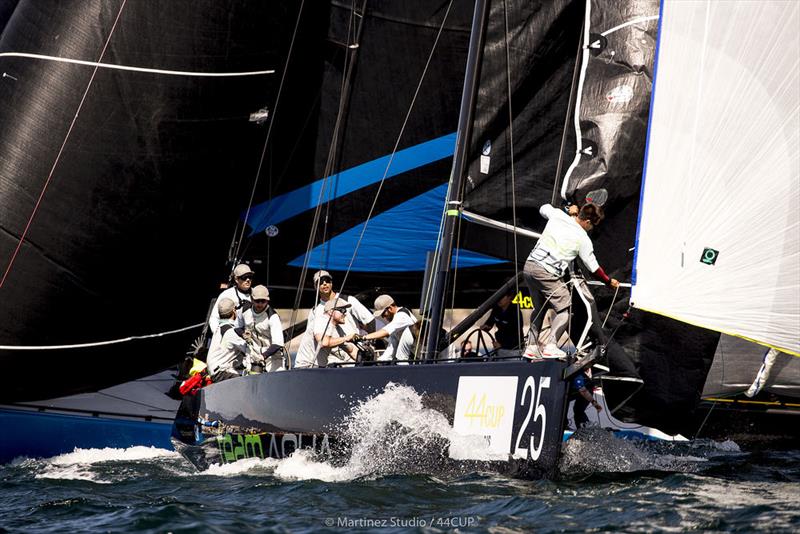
(718, 242)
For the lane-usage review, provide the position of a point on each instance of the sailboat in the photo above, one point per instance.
(123, 124)
(513, 408)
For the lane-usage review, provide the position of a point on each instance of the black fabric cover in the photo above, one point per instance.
(132, 231)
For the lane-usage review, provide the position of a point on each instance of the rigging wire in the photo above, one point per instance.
(282, 173)
(397, 143)
(428, 283)
(572, 94)
(269, 133)
(613, 301)
(344, 90)
(455, 271)
(61, 149)
(511, 152)
(101, 343)
(334, 156)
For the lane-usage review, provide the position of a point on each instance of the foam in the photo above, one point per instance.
(78, 464)
(596, 450)
(391, 432)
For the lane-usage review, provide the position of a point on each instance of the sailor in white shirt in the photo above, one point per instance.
(564, 238)
(332, 335)
(239, 293)
(397, 329)
(266, 342)
(228, 348)
(358, 316)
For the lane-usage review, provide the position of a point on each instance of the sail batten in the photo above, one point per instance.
(719, 232)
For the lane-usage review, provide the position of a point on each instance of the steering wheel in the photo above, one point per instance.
(480, 342)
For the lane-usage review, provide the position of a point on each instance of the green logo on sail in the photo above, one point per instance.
(709, 256)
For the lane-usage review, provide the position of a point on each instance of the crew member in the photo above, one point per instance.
(581, 389)
(564, 238)
(228, 344)
(508, 320)
(239, 293)
(358, 317)
(397, 329)
(332, 335)
(264, 324)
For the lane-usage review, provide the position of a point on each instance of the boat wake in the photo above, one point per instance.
(597, 451)
(101, 466)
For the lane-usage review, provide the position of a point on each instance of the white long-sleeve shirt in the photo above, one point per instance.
(226, 351)
(357, 313)
(266, 327)
(239, 298)
(563, 239)
(401, 341)
(267, 330)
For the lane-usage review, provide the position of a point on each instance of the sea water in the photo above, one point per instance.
(393, 482)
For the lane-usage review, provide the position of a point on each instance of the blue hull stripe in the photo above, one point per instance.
(295, 202)
(396, 240)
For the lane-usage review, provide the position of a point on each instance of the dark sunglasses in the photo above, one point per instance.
(325, 280)
(245, 277)
(261, 301)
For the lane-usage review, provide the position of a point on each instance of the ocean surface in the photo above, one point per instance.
(604, 484)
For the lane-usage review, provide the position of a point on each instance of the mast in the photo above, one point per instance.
(465, 118)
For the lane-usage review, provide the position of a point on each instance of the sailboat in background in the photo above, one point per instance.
(723, 165)
(125, 126)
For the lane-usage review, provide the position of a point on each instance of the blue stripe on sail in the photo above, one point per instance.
(295, 202)
(647, 146)
(396, 240)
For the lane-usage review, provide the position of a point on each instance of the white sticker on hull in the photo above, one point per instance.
(484, 409)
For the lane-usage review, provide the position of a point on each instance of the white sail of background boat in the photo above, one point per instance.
(718, 241)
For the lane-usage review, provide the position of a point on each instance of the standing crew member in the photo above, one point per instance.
(564, 238)
(239, 293)
(266, 333)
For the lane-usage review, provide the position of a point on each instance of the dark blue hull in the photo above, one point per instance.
(35, 434)
(126, 415)
(516, 406)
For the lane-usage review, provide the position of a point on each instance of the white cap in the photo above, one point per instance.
(335, 304)
(319, 274)
(259, 293)
(225, 306)
(381, 303)
(241, 270)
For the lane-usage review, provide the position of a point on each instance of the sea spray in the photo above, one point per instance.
(391, 432)
(595, 450)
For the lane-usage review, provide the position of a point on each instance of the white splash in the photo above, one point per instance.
(249, 466)
(303, 466)
(390, 432)
(93, 456)
(77, 465)
(596, 450)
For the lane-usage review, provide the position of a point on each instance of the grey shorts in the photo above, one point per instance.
(550, 285)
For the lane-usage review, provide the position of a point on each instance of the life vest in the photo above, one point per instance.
(198, 378)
